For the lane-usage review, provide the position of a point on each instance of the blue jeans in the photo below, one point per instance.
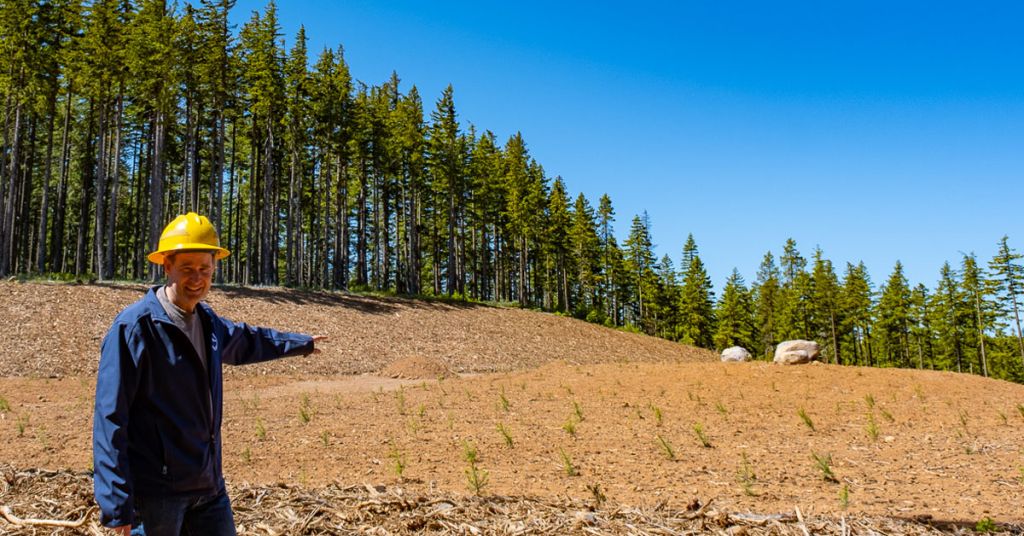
(188, 516)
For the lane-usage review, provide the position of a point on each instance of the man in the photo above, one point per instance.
(156, 427)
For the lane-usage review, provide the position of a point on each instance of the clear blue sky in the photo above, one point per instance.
(875, 130)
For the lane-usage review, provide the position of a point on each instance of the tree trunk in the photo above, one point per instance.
(156, 188)
(57, 255)
(115, 173)
(8, 202)
(981, 335)
(268, 229)
(44, 207)
(99, 233)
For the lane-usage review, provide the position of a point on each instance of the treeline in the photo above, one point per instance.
(120, 114)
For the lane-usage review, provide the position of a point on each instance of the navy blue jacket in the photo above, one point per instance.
(156, 427)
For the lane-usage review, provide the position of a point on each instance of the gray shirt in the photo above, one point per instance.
(188, 323)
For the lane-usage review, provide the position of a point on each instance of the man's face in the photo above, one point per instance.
(189, 276)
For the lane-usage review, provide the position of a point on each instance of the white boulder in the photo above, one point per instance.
(735, 354)
(796, 352)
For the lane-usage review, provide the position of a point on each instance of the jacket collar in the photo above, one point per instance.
(156, 309)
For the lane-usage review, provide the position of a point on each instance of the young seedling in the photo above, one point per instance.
(567, 465)
(305, 413)
(400, 400)
(746, 476)
(469, 452)
(577, 410)
(807, 420)
(887, 416)
(985, 525)
(824, 464)
(698, 430)
(721, 409)
(658, 418)
(247, 456)
(963, 419)
(505, 435)
(597, 494)
(325, 438)
(570, 426)
(872, 428)
(22, 424)
(261, 431)
(397, 460)
(503, 400)
(1020, 409)
(844, 497)
(869, 400)
(476, 478)
(1003, 417)
(5, 406)
(666, 448)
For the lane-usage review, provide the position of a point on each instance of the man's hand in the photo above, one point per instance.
(123, 530)
(316, 339)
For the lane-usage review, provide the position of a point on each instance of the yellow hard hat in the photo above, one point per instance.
(188, 232)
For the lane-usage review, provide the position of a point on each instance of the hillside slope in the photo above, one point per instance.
(558, 411)
(54, 330)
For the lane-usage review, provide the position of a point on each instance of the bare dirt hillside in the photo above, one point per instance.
(55, 330)
(573, 428)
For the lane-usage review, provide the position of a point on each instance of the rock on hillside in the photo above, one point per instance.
(54, 329)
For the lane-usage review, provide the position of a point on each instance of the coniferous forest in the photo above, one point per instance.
(120, 114)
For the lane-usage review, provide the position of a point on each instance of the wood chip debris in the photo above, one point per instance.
(35, 502)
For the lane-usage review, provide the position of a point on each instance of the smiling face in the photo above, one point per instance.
(189, 276)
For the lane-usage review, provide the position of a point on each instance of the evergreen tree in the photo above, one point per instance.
(894, 318)
(1008, 285)
(664, 305)
(558, 245)
(983, 317)
(586, 252)
(920, 326)
(696, 310)
(857, 304)
(262, 59)
(639, 251)
(824, 308)
(735, 315)
(766, 303)
(606, 220)
(297, 134)
(951, 313)
(446, 161)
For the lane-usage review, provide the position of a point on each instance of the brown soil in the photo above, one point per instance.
(903, 444)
